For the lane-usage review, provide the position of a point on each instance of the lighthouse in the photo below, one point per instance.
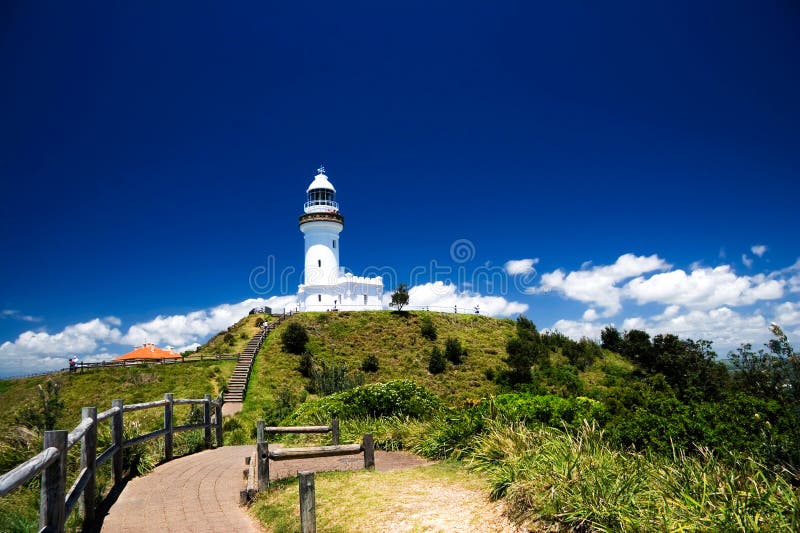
(326, 286)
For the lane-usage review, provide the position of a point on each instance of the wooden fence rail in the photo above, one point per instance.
(56, 503)
(80, 366)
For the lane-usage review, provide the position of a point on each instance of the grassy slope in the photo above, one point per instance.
(395, 339)
(242, 332)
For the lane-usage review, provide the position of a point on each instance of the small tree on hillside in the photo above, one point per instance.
(427, 329)
(294, 338)
(453, 351)
(436, 363)
(400, 297)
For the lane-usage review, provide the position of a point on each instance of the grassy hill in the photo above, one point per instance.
(402, 352)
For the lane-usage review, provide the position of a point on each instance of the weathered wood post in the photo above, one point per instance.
(88, 460)
(54, 480)
(117, 440)
(262, 453)
(168, 425)
(369, 450)
(308, 503)
(207, 419)
(335, 431)
(218, 415)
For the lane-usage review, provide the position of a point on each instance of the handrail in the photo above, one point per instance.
(57, 503)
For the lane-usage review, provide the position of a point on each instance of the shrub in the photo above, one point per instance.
(306, 365)
(330, 379)
(427, 329)
(229, 339)
(294, 338)
(259, 322)
(370, 363)
(436, 361)
(394, 398)
(453, 351)
(44, 413)
(549, 409)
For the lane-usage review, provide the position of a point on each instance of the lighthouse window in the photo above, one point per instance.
(319, 262)
(365, 299)
(334, 244)
(319, 297)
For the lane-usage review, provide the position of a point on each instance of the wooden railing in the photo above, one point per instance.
(264, 454)
(80, 366)
(56, 503)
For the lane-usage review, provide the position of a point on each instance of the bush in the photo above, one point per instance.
(306, 365)
(427, 329)
(436, 362)
(370, 363)
(330, 379)
(394, 398)
(294, 338)
(453, 351)
(229, 339)
(259, 322)
(549, 409)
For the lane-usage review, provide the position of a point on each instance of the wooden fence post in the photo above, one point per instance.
(369, 451)
(218, 414)
(168, 425)
(117, 440)
(88, 460)
(207, 419)
(308, 504)
(54, 480)
(335, 431)
(262, 453)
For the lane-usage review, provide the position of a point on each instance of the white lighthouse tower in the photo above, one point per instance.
(326, 286)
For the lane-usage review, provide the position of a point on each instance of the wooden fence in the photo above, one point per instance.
(56, 503)
(80, 366)
(264, 454)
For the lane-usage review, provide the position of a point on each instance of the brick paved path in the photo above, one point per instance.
(199, 493)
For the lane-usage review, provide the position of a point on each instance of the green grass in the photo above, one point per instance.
(395, 339)
(242, 331)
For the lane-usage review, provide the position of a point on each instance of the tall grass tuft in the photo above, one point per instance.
(576, 480)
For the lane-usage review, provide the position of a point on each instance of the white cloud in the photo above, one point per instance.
(598, 285)
(180, 330)
(576, 329)
(520, 266)
(439, 296)
(40, 351)
(33, 351)
(746, 261)
(758, 249)
(590, 315)
(788, 314)
(704, 288)
(726, 327)
(16, 315)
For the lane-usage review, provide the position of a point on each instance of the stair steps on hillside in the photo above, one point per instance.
(237, 384)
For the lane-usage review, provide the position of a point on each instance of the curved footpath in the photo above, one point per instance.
(199, 493)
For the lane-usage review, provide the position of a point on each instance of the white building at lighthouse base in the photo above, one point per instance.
(347, 293)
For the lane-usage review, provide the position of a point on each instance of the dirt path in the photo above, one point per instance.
(199, 493)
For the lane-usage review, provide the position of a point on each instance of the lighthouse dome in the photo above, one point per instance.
(320, 182)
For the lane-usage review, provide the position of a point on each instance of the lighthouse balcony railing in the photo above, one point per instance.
(321, 206)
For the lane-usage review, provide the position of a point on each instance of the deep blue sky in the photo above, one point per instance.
(153, 154)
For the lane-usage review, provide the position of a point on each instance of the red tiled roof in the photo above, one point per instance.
(148, 351)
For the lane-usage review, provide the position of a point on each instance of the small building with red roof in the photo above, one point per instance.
(148, 351)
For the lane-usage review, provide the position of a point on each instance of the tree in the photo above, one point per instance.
(611, 339)
(453, 351)
(400, 297)
(370, 363)
(524, 351)
(427, 329)
(436, 362)
(294, 338)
